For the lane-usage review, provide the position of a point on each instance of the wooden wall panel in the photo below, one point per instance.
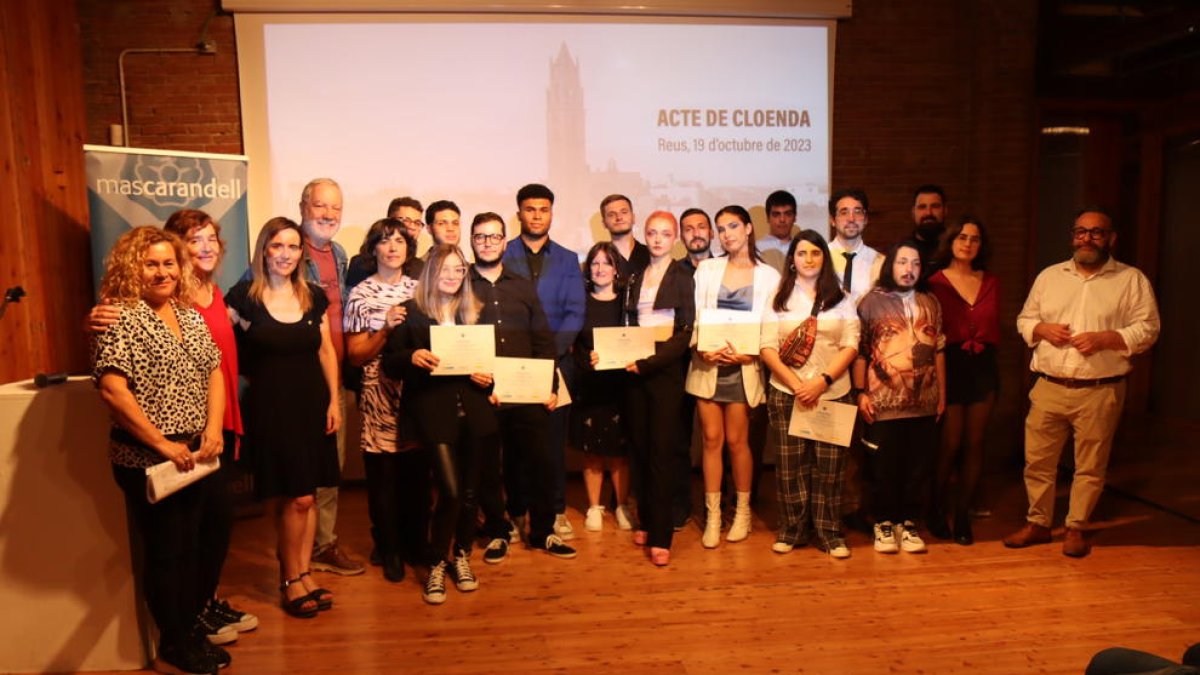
(44, 243)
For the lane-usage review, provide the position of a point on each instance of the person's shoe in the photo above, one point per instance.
(302, 607)
(782, 547)
(1028, 535)
(640, 537)
(963, 536)
(712, 520)
(563, 528)
(885, 538)
(217, 655)
(661, 557)
(497, 550)
(624, 522)
(739, 529)
(376, 558)
(595, 519)
(1076, 544)
(184, 658)
(331, 559)
(910, 538)
(554, 546)
(464, 578)
(434, 592)
(238, 620)
(519, 531)
(393, 567)
(839, 551)
(938, 527)
(217, 631)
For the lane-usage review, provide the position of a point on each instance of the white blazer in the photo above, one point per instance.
(702, 376)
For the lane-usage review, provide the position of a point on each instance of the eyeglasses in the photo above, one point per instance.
(969, 238)
(857, 211)
(481, 238)
(411, 222)
(1093, 233)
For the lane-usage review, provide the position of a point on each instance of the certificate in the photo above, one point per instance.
(564, 394)
(165, 479)
(462, 350)
(523, 380)
(828, 422)
(740, 328)
(619, 346)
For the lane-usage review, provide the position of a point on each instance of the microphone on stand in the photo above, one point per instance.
(43, 380)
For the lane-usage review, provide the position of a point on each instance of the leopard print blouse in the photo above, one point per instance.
(168, 376)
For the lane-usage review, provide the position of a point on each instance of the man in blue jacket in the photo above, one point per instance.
(555, 271)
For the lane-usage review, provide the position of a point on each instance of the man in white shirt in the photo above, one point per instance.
(1083, 319)
(781, 227)
(856, 264)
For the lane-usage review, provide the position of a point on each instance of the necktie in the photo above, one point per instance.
(849, 266)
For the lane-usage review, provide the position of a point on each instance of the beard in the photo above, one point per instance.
(930, 229)
(1091, 255)
(698, 245)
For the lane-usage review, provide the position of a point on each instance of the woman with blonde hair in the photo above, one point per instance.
(157, 369)
(291, 405)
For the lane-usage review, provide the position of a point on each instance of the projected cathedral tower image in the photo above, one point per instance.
(566, 159)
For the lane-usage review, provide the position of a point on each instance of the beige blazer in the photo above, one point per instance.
(702, 376)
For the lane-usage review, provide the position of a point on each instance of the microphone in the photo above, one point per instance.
(43, 380)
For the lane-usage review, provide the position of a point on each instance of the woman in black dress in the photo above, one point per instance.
(452, 414)
(291, 409)
(597, 428)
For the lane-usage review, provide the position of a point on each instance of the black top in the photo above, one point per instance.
(535, 258)
(678, 292)
(639, 257)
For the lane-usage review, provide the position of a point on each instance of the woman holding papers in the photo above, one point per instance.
(597, 427)
(661, 297)
(158, 371)
(452, 414)
(397, 473)
(291, 405)
(809, 341)
(727, 382)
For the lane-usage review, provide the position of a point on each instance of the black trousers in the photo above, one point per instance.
(171, 539)
(456, 467)
(528, 474)
(216, 520)
(398, 502)
(653, 405)
(901, 467)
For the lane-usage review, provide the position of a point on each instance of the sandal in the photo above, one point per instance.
(323, 596)
(301, 607)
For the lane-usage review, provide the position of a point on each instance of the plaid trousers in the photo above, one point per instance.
(809, 479)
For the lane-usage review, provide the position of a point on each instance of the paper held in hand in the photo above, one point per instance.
(617, 347)
(828, 422)
(462, 350)
(721, 327)
(165, 479)
(523, 380)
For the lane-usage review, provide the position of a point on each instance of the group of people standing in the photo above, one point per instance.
(908, 337)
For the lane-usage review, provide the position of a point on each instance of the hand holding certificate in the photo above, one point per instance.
(462, 350)
(165, 479)
(619, 346)
(720, 328)
(828, 422)
(523, 380)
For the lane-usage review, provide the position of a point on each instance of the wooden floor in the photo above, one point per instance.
(742, 608)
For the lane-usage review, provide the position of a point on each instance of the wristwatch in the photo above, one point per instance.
(828, 379)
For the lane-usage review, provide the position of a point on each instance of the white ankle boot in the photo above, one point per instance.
(740, 529)
(712, 524)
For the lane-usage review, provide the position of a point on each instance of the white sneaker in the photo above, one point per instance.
(839, 551)
(910, 539)
(595, 519)
(562, 527)
(885, 538)
(624, 522)
(782, 547)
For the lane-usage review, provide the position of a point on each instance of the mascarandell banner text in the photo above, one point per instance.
(130, 187)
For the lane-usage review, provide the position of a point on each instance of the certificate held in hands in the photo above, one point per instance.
(737, 327)
(523, 380)
(462, 350)
(617, 347)
(827, 421)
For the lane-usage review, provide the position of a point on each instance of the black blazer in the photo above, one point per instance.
(676, 292)
(429, 403)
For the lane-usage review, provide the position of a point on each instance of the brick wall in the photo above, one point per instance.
(935, 91)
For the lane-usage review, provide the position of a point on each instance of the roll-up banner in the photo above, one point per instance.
(130, 187)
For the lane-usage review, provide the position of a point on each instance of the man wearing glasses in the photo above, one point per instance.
(1084, 318)
(856, 264)
(408, 211)
(510, 303)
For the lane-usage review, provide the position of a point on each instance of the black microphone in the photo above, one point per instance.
(43, 380)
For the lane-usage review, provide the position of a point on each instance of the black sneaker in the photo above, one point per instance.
(435, 585)
(464, 578)
(186, 657)
(554, 546)
(238, 620)
(497, 550)
(218, 655)
(212, 627)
